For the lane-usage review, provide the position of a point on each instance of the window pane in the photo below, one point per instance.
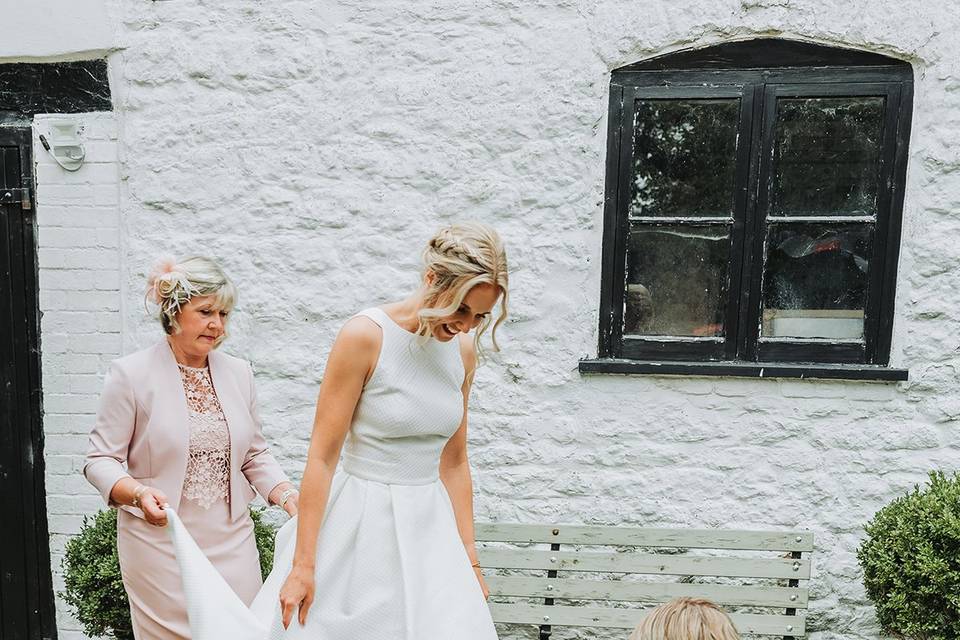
(826, 156)
(815, 281)
(684, 156)
(676, 280)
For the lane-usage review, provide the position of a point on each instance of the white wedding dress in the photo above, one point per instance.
(390, 564)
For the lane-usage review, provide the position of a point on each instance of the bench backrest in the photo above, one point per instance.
(558, 575)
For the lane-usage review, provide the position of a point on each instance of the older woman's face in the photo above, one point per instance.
(202, 324)
(476, 306)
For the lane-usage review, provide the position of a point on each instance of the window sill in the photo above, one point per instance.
(745, 369)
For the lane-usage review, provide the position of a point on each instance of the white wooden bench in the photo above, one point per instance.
(543, 575)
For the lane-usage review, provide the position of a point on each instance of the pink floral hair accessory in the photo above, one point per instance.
(168, 285)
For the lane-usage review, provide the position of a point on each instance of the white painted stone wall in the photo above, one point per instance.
(312, 147)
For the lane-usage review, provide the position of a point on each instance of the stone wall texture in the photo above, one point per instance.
(312, 147)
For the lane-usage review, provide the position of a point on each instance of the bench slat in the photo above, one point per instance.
(777, 625)
(646, 563)
(653, 592)
(647, 537)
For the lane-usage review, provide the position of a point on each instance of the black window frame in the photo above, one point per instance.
(758, 73)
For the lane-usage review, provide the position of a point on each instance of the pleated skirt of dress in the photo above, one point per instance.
(151, 575)
(390, 565)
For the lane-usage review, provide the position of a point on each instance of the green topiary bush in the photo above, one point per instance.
(91, 572)
(92, 584)
(911, 562)
(265, 535)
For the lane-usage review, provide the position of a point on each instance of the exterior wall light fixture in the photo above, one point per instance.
(63, 142)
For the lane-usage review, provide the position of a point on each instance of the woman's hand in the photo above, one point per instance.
(297, 593)
(286, 496)
(152, 502)
(292, 505)
(483, 583)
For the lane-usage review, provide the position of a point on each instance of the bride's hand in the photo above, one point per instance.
(297, 592)
(483, 584)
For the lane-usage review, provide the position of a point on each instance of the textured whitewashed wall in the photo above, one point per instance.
(312, 147)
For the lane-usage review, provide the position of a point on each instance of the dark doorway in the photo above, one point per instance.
(26, 593)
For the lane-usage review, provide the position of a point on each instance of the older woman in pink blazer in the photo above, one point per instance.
(178, 425)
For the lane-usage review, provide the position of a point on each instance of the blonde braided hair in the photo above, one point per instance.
(460, 257)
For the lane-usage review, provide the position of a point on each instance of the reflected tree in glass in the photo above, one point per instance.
(826, 156)
(684, 157)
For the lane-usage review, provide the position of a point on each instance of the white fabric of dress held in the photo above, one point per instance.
(390, 562)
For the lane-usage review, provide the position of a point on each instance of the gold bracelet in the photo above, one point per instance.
(286, 495)
(137, 494)
(475, 565)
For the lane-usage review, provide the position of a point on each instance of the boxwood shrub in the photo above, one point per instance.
(911, 562)
(91, 571)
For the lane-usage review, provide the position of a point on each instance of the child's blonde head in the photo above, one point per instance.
(686, 619)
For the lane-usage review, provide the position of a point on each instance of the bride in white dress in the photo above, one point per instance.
(383, 547)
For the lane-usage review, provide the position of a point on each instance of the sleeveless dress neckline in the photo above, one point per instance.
(390, 564)
(394, 322)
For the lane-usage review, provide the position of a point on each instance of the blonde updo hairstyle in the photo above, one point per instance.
(172, 284)
(456, 259)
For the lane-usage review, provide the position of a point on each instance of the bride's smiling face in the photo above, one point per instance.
(474, 309)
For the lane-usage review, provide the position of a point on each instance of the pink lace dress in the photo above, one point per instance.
(155, 591)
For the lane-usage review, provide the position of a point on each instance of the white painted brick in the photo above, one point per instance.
(52, 343)
(64, 444)
(78, 422)
(98, 151)
(67, 300)
(109, 322)
(71, 485)
(61, 237)
(74, 423)
(99, 127)
(88, 384)
(92, 258)
(97, 343)
(81, 504)
(70, 322)
(109, 238)
(90, 173)
(60, 465)
(71, 363)
(104, 279)
(106, 194)
(79, 215)
(70, 403)
(65, 194)
(79, 279)
(812, 388)
(873, 392)
(56, 383)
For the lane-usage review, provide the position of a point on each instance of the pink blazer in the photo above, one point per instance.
(142, 428)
